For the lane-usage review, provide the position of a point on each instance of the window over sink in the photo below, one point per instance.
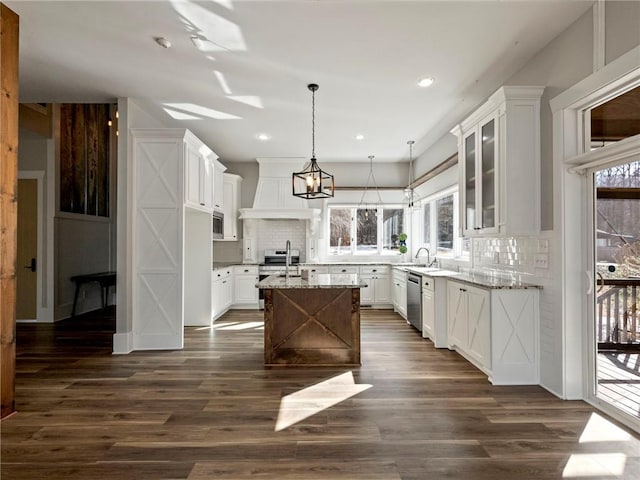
(440, 226)
(365, 231)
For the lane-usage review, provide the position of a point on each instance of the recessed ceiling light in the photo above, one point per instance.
(264, 137)
(359, 136)
(163, 42)
(426, 81)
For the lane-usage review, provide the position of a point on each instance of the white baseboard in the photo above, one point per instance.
(158, 342)
(122, 343)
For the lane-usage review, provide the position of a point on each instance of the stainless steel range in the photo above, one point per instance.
(275, 262)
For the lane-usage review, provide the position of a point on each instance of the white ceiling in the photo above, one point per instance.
(257, 57)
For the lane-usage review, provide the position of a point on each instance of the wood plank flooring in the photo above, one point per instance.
(619, 380)
(210, 412)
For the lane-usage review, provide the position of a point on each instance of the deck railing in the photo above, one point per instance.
(618, 325)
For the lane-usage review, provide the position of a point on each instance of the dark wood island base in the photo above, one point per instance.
(312, 327)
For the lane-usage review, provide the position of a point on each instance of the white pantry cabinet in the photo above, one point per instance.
(499, 160)
(170, 254)
(497, 330)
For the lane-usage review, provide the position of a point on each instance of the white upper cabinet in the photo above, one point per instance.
(218, 186)
(499, 159)
(231, 189)
(198, 176)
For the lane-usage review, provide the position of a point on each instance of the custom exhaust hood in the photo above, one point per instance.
(274, 198)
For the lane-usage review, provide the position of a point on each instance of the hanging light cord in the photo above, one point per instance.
(410, 186)
(410, 142)
(313, 123)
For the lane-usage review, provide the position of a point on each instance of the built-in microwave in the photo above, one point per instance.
(218, 225)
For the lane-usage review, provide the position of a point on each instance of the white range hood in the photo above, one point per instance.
(274, 194)
(274, 200)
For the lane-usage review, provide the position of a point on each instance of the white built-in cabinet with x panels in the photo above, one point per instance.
(171, 234)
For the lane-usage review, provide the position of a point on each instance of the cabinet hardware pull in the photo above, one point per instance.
(202, 204)
(463, 289)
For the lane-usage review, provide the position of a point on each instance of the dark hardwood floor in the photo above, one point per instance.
(212, 411)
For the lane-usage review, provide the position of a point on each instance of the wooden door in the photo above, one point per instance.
(27, 261)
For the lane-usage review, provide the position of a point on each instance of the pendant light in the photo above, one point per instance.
(370, 178)
(409, 193)
(312, 182)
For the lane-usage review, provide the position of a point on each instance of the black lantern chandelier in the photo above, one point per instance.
(312, 182)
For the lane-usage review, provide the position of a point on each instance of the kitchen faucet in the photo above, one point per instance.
(287, 260)
(428, 253)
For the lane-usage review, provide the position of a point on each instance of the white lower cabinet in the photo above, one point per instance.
(469, 327)
(222, 291)
(497, 330)
(377, 291)
(245, 293)
(399, 292)
(428, 309)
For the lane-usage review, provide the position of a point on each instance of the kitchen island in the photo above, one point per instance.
(312, 322)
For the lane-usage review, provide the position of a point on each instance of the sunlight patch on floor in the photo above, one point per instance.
(594, 465)
(600, 429)
(240, 326)
(316, 398)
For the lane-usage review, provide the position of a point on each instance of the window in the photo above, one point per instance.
(426, 225)
(340, 231)
(440, 226)
(365, 231)
(444, 214)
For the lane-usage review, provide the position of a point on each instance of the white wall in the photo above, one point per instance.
(563, 62)
(622, 28)
(82, 246)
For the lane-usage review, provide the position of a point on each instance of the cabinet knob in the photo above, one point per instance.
(246, 271)
(374, 270)
(426, 283)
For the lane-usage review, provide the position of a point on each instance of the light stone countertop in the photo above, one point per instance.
(476, 278)
(319, 280)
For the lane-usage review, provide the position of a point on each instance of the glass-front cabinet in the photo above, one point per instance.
(480, 194)
(499, 162)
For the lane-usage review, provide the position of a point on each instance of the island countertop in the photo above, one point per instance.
(320, 280)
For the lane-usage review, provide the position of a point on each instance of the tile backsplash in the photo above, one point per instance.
(273, 234)
(528, 255)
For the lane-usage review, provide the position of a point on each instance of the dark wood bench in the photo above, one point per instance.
(105, 279)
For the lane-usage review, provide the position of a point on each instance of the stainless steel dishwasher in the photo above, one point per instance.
(414, 300)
